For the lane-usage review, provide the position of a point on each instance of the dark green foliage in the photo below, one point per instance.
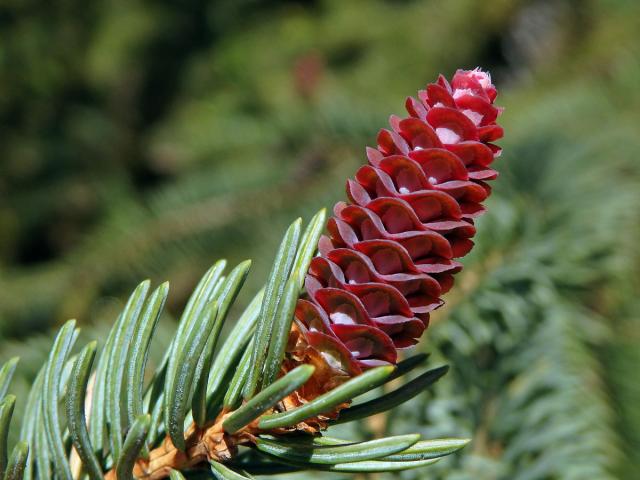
(124, 332)
(17, 462)
(6, 412)
(51, 388)
(229, 291)
(139, 349)
(268, 398)
(335, 454)
(392, 399)
(273, 296)
(75, 411)
(237, 341)
(132, 447)
(132, 424)
(233, 394)
(143, 140)
(224, 473)
(6, 374)
(327, 402)
(175, 475)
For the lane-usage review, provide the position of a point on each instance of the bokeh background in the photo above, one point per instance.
(147, 138)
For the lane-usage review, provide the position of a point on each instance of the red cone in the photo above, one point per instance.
(391, 250)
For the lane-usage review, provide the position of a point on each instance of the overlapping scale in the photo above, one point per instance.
(390, 253)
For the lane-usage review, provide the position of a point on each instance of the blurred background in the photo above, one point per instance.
(147, 138)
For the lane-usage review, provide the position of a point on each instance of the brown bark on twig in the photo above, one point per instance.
(212, 443)
(203, 444)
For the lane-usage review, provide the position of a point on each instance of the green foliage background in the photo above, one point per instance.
(148, 138)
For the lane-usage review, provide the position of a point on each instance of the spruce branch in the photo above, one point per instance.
(324, 331)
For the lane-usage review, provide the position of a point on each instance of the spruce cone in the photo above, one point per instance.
(391, 250)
